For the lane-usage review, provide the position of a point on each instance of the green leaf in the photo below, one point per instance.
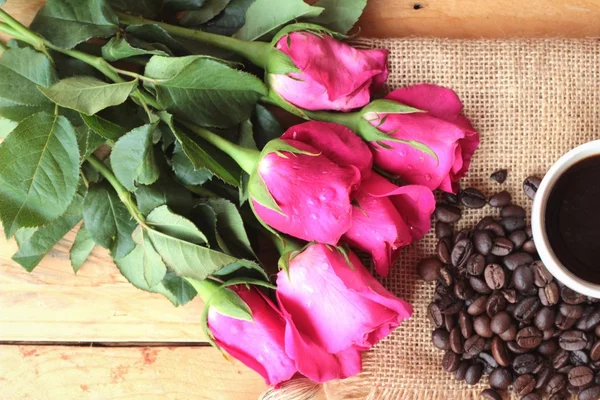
(153, 33)
(132, 158)
(203, 14)
(180, 290)
(82, 248)
(88, 95)
(146, 8)
(242, 268)
(165, 221)
(382, 106)
(266, 126)
(21, 72)
(184, 5)
(246, 135)
(164, 191)
(230, 20)
(18, 113)
(104, 127)
(204, 90)
(339, 15)
(108, 221)
(6, 127)
(37, 245)
(205, 156)
(66, 23)
(39, 171)
(185, 170)
(229, 303)
(68, 67)
(257, 25)
(88, 142)
(247, 282)
(118, 49)
(143, 267)
(230, 231)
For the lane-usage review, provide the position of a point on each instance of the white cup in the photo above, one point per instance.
(538, 220)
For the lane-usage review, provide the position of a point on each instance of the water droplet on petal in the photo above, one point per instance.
(327, 194)
(427, 177)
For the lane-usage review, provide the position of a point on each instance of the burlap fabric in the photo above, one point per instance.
(531, 101)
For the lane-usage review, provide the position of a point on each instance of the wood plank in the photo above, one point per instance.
(182, 373)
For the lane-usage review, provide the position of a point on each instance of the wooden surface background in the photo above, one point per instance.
(55, 326)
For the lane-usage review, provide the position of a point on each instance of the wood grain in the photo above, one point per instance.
(149, 373)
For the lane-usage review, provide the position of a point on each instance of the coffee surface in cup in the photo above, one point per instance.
(573, 219)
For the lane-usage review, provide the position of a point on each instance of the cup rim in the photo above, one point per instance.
(538, 217)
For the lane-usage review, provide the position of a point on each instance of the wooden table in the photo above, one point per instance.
(94, 336)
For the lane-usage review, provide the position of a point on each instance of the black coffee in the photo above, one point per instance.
(573, 219)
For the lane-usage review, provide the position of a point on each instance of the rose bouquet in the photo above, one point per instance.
(151, 122)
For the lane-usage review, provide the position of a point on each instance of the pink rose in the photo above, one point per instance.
(388, 217)
(313, 191)
(443, 128)
(333, 312)
(334, 75)
(259, 344)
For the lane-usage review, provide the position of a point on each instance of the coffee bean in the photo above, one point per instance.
(499, 175)
(544, 319)
(435, 315)
(494, 276)
(549, 294)
(502, 247)
(564, 323)
(573, 340)
(570, 296)
(451, 198)
(595, 351)
(479, 285)
(443, 250)
(450, 361)
(474, 374)
(578, 358)
(441, 339)
(531, 396)
(548, 347)
(556, 384)
(500, 199)
(500, 352)
(449, 305)
(512, 210)
(597, 330)
(550, 333)
(448, 213)
(472, 198)
(478, 306)
(461, 371)
(445, 276)
(449, 322)
(490, 394)
(510, 295)
(560, 359)
(500, 322)
(590, 321)
(428, 269)
(456, 341)
(541, 276)
(515, 348)
(559, 396)
(473, 346)
(500, 378)
(522, 278)
(531, 185)
(483, 222)
(443, 230)
(482, 240)
(542, 377)
(529, 337)
(475, 265)
(489, 360)
(591, 393)
(524, 384)
(481, 324)
(463, 290)
(525, 363)
(495, 229)
(461, 252)
(529, 247)
(511, 224)
(496, 303)
(518, 238)
(465, 324)
(526, 308)
(571, 310)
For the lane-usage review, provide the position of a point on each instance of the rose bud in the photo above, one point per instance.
(303, 181)
(387, 217)
(325, 74)
(333, 311)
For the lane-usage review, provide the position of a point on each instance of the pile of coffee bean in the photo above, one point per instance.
(497, 309)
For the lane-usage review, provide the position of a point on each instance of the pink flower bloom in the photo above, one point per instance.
(334, 75)
(387, 218)
(443, 128)
(313, 192)
(259, 344)
(333, 312)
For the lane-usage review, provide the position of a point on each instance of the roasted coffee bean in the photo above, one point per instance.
(499, 175)
(510, 295)
(456, 341)
(478, 284)
(556, 384)
(500, 352)
(502, 247)
(478, 305)
(500, 199)
(463, 234)
(496, 303)
(463, 290)
(524, 384)
(526, 308)
(529, 337)
(472, 198)
(500, 378)
(529, 247)
(571, 310)
(518, 238)
(549, 294)
(510, 333)
(483, 222)
(451, 198)
(579, 357)
(435, 315)
(511, 224)
(445, 276)
(570, 296)
(428, 269)
(560, 359)
(450, 361)
(490, 394)
(441, 339)
(522, 278)
(496, 229)
(474, 374)
(449, 322)
(597, 330)
(465, 324)
(595, 351)
(564, 323)
(481, 324)
(531, 396)
(573, 340)
(461, 371)
(494, 276)
(447, 213)
(443, 230)
(475, 265)
(542, 377)
(590, 321)
(500, 322)
(482, 240)
(512, 210)
(559, 396)
(548, 347)
(512, 261)
(591, 393)
(488, 359)
(541, 276)
(461, 252)
(473, 346)
(525, 363)
(544, 318)
(515, 348)
(531, 185)
(443, 250)
(550, 333)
